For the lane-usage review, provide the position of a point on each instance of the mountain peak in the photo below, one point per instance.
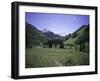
(45, 30)
(62, 34)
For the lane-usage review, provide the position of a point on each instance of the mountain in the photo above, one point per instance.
(79, 38)
(51, 35)
(33, 35)
(44, 30)
(80, 34)
(36, 37)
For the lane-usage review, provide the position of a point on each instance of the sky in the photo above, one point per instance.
(61, 24)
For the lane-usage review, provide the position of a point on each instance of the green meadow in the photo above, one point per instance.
(54, 57)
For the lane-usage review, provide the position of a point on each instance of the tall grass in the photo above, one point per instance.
(52, 57)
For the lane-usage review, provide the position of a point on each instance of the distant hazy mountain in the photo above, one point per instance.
(44, 30)
(51, 35)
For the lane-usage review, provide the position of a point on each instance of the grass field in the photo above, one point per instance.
(52, 57)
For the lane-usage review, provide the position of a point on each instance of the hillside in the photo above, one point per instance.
(51, 35)
(33, 36)
(36, 37)
(78, 34)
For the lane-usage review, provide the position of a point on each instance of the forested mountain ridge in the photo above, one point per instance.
(79, 37)
(80, 33)
(33, 35)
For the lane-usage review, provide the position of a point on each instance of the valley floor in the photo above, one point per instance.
(54, 57)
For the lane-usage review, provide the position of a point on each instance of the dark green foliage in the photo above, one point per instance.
(33, 36)
(74, 35)
(83, 38)
(29, 36)
(49, 43)
(54, 42)
(67, 37)
(87, 28)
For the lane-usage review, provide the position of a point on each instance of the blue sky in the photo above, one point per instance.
(61, 24)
